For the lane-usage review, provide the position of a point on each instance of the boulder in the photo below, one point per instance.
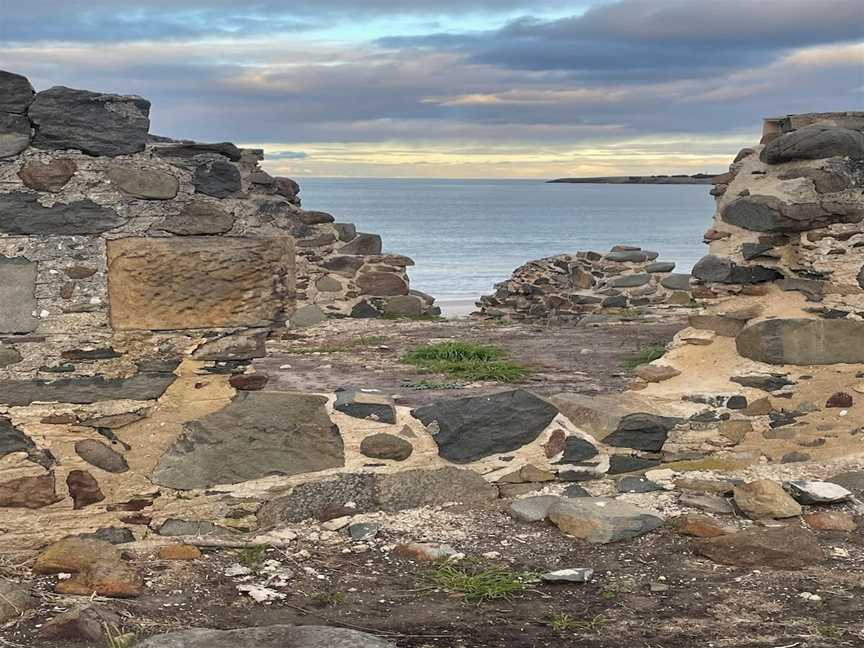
(533, 509)
(813, 143)
(362, 245)
(386, 446)
(143, 182)
(51, 176)
(188, 150)
(786, 547)
(91, 122)
(660, 266)
(852, 480)
(14, 134)
(257, 435)
(280, 636)
(16, 93)
(600, 520)
(802, 341)
(404, 306)
(474, 428)
(764, 498)
(382, 284)
(630, 280)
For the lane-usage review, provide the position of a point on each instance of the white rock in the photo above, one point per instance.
(574, 575)
(817, 492)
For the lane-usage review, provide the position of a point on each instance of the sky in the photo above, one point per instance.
(447, 88)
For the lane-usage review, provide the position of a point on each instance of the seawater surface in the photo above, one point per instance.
(467, 235)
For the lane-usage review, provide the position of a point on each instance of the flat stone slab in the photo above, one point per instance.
(787, 547)
(92, 122)
(87, 389)
(17, 295)
(259, 434)
(24, 215)
(474, 428)
(197, 282)
(268, 637)
(366, 404)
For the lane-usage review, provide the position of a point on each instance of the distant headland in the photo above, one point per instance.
(698, 178)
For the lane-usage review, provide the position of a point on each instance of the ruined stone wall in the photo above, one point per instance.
(776, 351)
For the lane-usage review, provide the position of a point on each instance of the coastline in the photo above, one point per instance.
(697, 179)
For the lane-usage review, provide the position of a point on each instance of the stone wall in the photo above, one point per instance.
(569, 287)
(776, 351)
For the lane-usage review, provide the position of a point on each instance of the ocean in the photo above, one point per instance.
(467, 235)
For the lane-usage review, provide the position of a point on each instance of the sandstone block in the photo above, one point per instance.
(802, 341)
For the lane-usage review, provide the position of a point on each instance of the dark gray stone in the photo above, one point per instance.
(575, 490)
(627, 256)
(279, 636)
(852, 480)
(803, 341)
(344, 265)
(641, 431)
(16, 93)
(97, 124)
(577, 450)
(365, 310)
(660, 266)
(769, 214)
(601, 520)
(473, 428)
(676, 282)
(100, 455)
(753, 250)
(619, 464)
(114, 535)
(17, 295)
(363, 531)
(188, 150)
(85, 389)
(715, 269)
(630, 281)
(21, 213)
(14, 134)
(766, 382)
(345, 231)
(814, 143)
(217, 178)
(8, 355)
(257, 435)
(12, 439)
(363, 245)
(634, 484)
(366, 404)
(386, 446)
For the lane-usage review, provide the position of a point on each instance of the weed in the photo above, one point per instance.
(830, 631)
(645, 355)
(252, 558)
(466, 361)
(475, 583)
(563, 622)
(328, 599)
(115, 639)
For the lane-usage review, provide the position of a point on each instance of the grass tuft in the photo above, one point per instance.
(475, 583)
(563, 622)
(645, 355)
(466, 361)
(253, 557)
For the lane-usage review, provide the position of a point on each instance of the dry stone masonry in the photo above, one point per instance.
(571, 287)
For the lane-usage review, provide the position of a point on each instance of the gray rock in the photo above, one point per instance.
(753, 250)
(16, 93)
(8, 355)
(100, 455)
(817, 492)
(363, 531)
(473, 428)
(386, 446)
(366, 404)
(575, 490)
(188, 150)
(619, 464)
(308, 315)
(660, 266)
(404, 306)
(174, 527)
(217, 178)
(769, 214)
(574, 575)
(600, 520)
(17, 295)
(143, 182)
(97, 124)
(852, 480)
(627, 256)
(577, 450)
(533, 509)
(15, 600)
(244, 345)
(766, 382)
(715, 269)
(369, 492)
(630, 281)
(86, 389)
(257, 435)
(345, 231)
(813, 143)
(14, 134)
(114, 535)
(344, 265)
(641, 431)
(268, 637)
(365, 310)
(705, 502)
(633, 484)
(328, 284)
(363, 245)
(803, 341)
(676, 282)
(23, 214)
(12, 439)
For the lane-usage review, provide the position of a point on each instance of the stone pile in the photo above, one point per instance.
(569, 287)
(771, 367)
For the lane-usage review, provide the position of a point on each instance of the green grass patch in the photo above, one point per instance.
(563, 622)
(475, 583)
(645, 355)
(466, 361)
(252, 558)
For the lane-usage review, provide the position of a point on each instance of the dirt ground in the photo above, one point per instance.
(651, 592)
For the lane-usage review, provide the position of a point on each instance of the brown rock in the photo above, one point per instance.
(73, 555)
(386, 446)
(83, 623)
(656, 373)
(143, 182)
(735, 430)
(381, 283)
(106, 578)
(424, 551)
(198, 217)
(556, 443)
(759, 407)
(79, 272)
(179, 552)
(785, 547)
(47, 176)
(156, 284)
(59, 419)
(83, 488)
(830, 521)
(249, 382)
(527, 473)
(840, 399)
(699, 526)
(764, 498)
(718, 487)
(29, 492)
